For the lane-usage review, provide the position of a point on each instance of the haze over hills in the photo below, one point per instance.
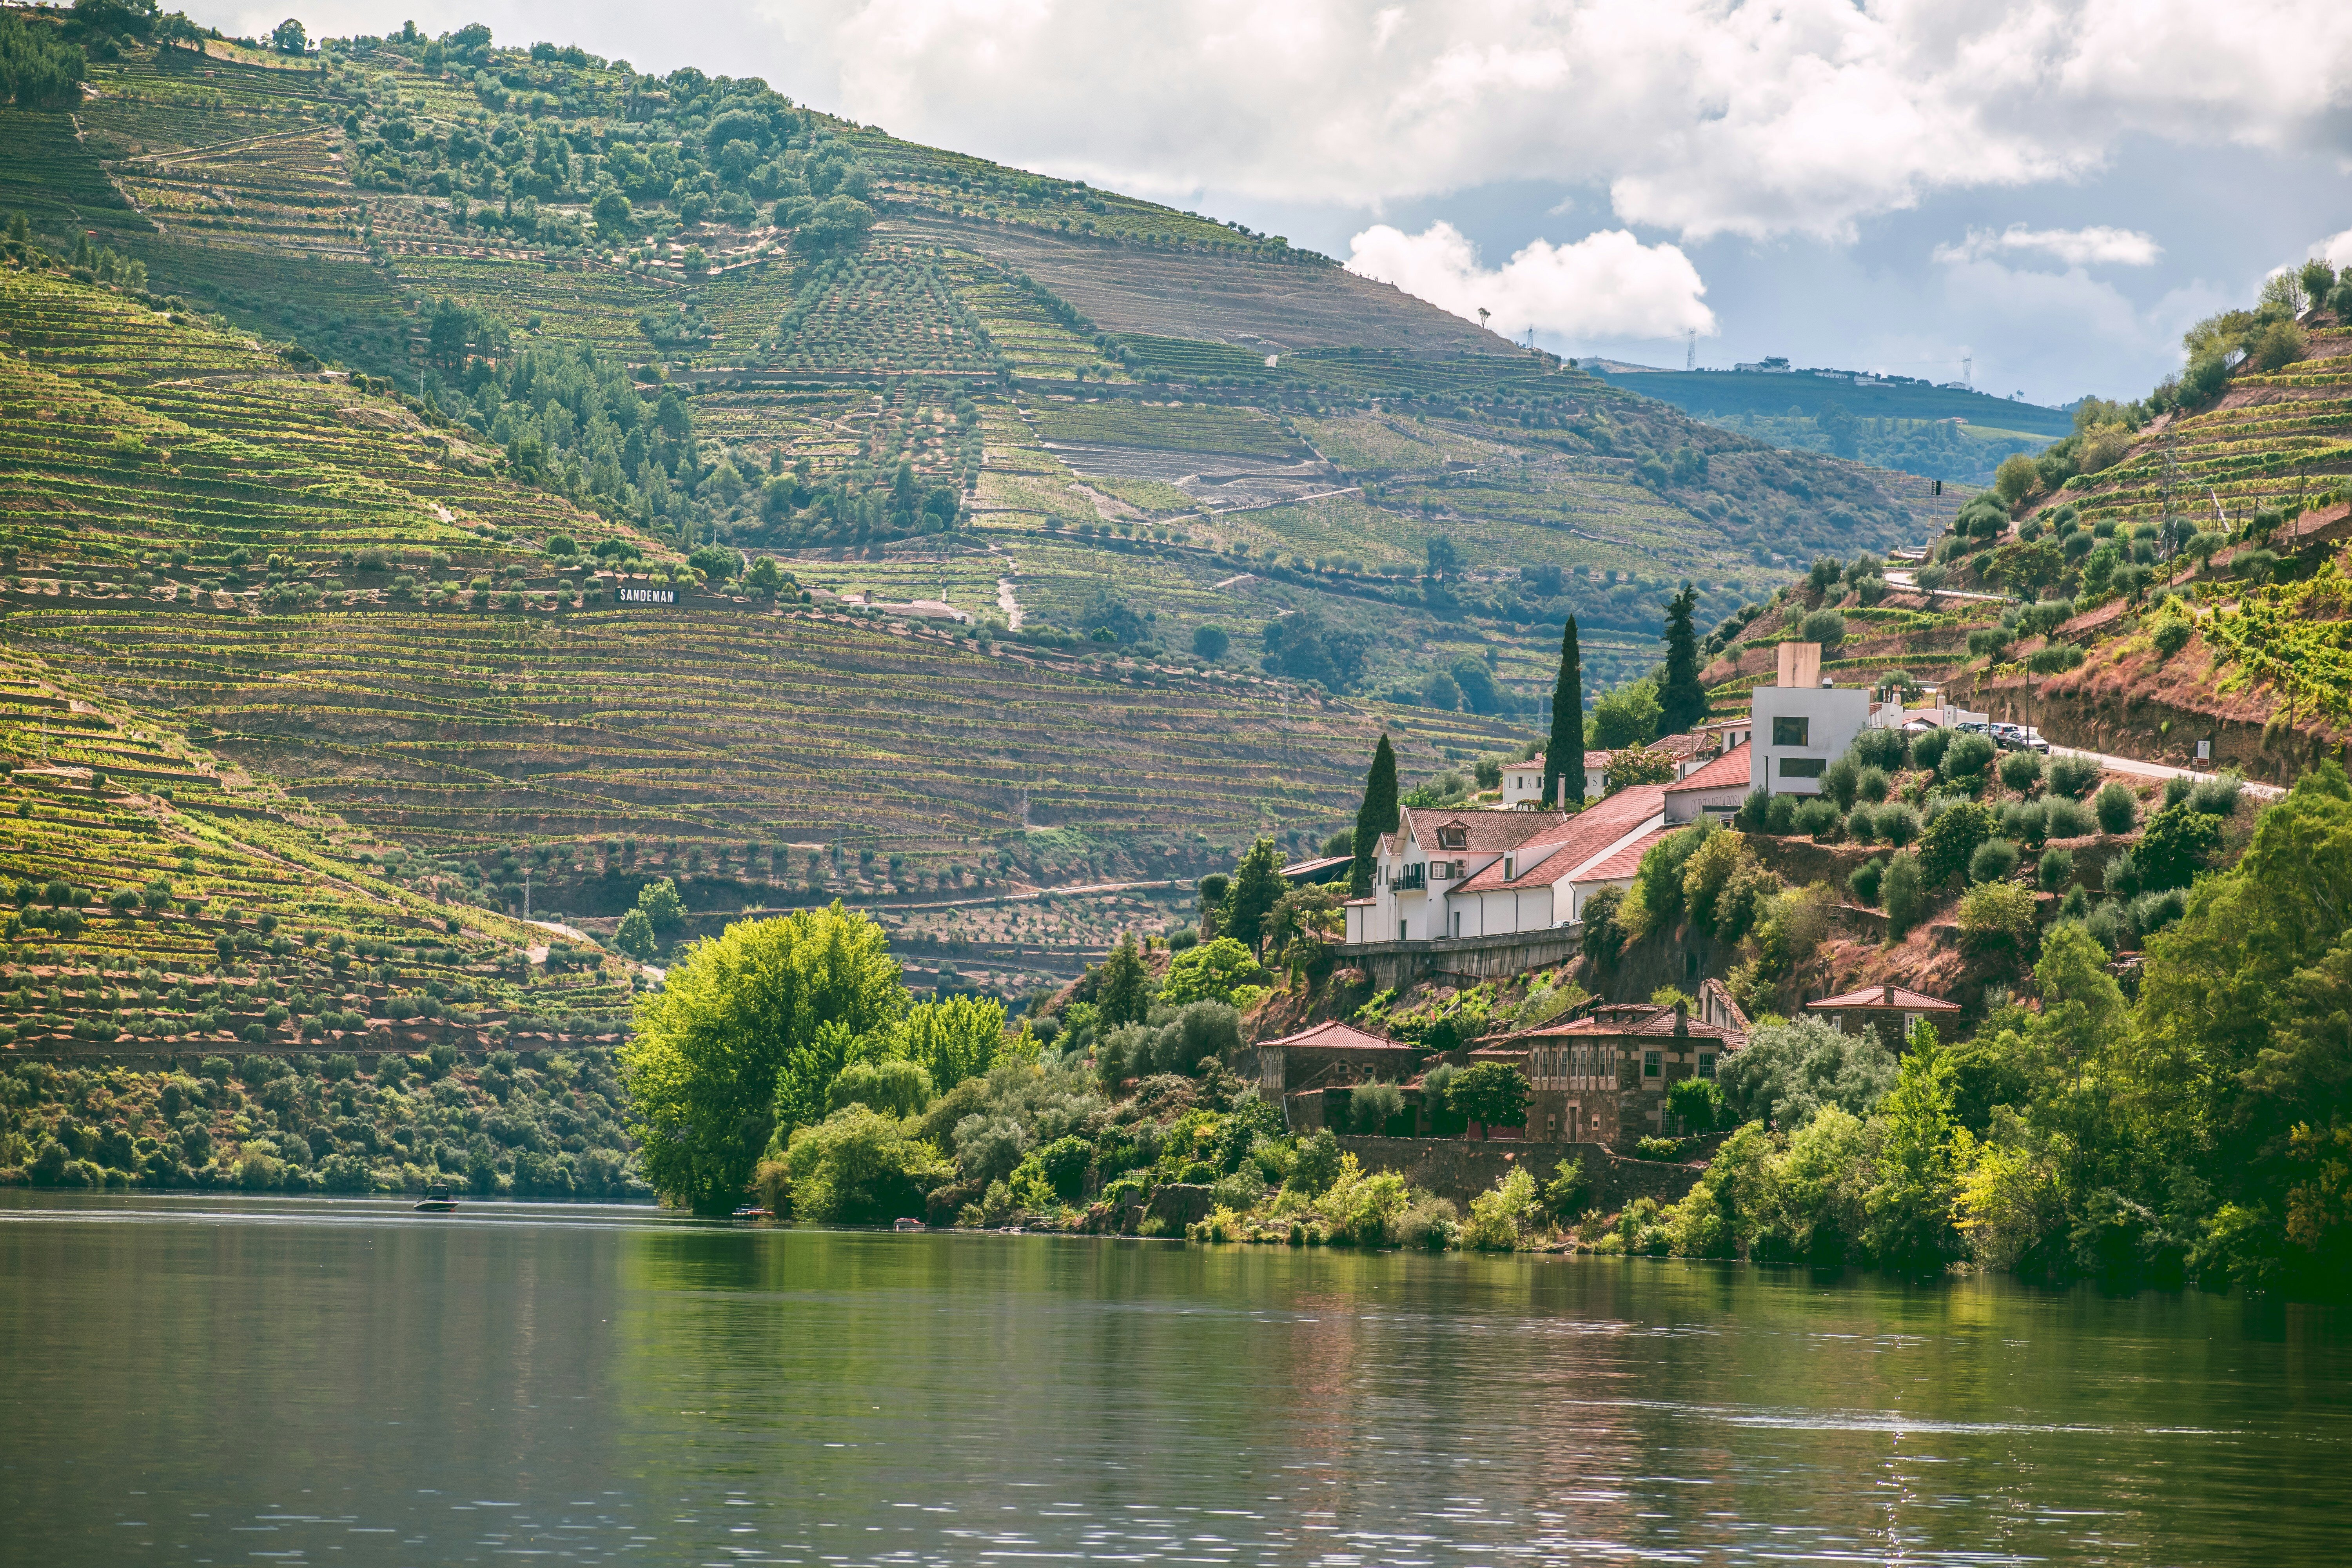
(347, 390)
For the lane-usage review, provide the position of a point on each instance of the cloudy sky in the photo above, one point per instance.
(2052, 189)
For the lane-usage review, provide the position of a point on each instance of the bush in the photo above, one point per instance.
(2179, 843)
(1494, 1094)
(1898, 824)
(1667, 1150)
(1498, 1216)
(1780, 816)
(1871, 783)
(1241, 1192)
(2152, 912)
(1750, 816)
(2057, 869)
(1826, 627)
(1818, 817)
(1927, 748)
(859, 1165)
(1993, 859)
(2064, 818)
(1429, 1223)
(1967, 756)
(1882, 749)
(1372, 1106)
(2117, 808)
(1789, 1072)
(1697, 1101)
(2020, 771)
(2055, 659)
(2171, 634)
(1904, 892)
(1995, 912)
(2216, 796)
(1952, 839)
(1862, 825)
(2070, 777)
(897, 1087)
(2025, 821)
(1315, 1165)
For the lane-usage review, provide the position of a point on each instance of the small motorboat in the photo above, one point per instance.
(910, 1225)
(437, 1200)
(752, 1212)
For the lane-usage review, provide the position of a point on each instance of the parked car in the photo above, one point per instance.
(2019, 738)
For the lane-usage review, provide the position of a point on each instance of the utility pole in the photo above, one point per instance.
(526, 892)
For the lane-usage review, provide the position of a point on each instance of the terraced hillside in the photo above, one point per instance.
(2195, 544)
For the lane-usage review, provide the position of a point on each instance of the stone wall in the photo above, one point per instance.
(1462, 1168)
(1397, 964)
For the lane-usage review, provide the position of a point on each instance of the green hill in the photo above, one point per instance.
(355, 409)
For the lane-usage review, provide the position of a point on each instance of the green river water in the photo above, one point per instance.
(216, 1380)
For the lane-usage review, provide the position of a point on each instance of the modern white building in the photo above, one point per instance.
(1801, 724)
(1523, 782)
(1493, 873)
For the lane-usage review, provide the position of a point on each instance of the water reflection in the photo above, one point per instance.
(224, 1380)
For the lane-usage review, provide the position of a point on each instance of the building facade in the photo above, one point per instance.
(1604, 1077)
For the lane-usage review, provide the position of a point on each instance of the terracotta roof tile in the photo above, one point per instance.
(1334, 1036)
(1729, 769)
(1484, 832)
(1893, 998)
(1572, 842)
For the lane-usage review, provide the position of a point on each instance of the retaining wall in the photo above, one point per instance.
(1462, 1168)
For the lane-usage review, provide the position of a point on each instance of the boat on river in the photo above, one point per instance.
(437, 1200)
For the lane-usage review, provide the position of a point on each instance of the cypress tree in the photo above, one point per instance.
(1564, 758)
(1123, 991)
(1258, 883)
(1377, 816)
(1682, 697)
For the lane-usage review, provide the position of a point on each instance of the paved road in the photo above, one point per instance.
(2160, 770)
(1910, 580)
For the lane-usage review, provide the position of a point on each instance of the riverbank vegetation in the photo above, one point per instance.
(499, 1125)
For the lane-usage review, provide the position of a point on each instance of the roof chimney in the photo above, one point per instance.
(1800, 664)
(1681, 1018)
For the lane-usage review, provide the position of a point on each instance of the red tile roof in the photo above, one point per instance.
(1625, 861)
(1578, 839)
(1729, 769)
(1335, 1036)
(1484, 832)
(1627, 1018)
(1892, 998)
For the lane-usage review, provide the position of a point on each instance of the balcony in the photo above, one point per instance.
(1409, 880)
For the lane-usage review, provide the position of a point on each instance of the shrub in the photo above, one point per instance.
(1898, 824)
(1927, 748)
(897, 1087)
(2064, 818)
(2216, 796)
(1904, 892)
(1862, 825)
(1494, 1094)
(1429, 1223)
(1967, 756)
(1826, 627)
(1865, 881)
(1780, 816)
(1997, 912)
(2055, 659)
(2020, 771)
(2171, 634)
(1818, 817)
(2178, 842)
(1752, 812)
(1882, 749)
(1667, 1150)
(1316, 1164)
(1789, 1072)
(1372, 1106)
(1945, 849)
(2117, 808)
(1697, 1101)
(1241, 1192)
(2057, 869)
(2026, 821)
(1993, 859)
(857, 1164)
(1499, 1214)
(2152, 912)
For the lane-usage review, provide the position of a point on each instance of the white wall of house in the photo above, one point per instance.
(1800, 730)
(1523, 783)
(1580, 893)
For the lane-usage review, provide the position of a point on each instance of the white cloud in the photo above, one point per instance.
(2335, 250)
(1701, 117)
(1606, 285)
(2074, 246)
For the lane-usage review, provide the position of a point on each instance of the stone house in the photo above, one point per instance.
(1299, 1070)
(1604, 1078)
(1890, 1010)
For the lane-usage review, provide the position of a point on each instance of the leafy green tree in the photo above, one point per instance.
(1697, 1101)
(1563, 783)
(1789, 1072)
(1376, 816)
(838, 223)
(951, 1040)
(2016, 478)
(2175, 846)
(1258, 883)
(289, 37)
(611, 215)
(1952, 839)
(635, 936)
(1476, 684)
(1210, 972)
(859, 1164)
(746, 1034)
(664, 910)
(1911, 1204)
(1627, 716)
(894, 1086)
(1123, 994)
(1903, 893)
(1493, 1094)
(1682, 700)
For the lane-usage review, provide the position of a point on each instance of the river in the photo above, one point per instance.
(219, 1379)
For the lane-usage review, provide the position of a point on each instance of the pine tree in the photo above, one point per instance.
(1258, 883)
(1682, 697)
(1377, 816)
(1564, 760)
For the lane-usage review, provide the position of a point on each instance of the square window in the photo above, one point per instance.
(1792, 731)
(1650, 1063)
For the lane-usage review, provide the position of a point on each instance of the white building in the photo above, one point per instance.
(1495, 873)
(1801, 724)
(1523, 782)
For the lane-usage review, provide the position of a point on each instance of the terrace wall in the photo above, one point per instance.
(1397, 964)
(1461, 1168)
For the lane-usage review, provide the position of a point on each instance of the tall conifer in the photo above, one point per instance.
(1377, 816)
(1564, 759)
(1682, 698)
